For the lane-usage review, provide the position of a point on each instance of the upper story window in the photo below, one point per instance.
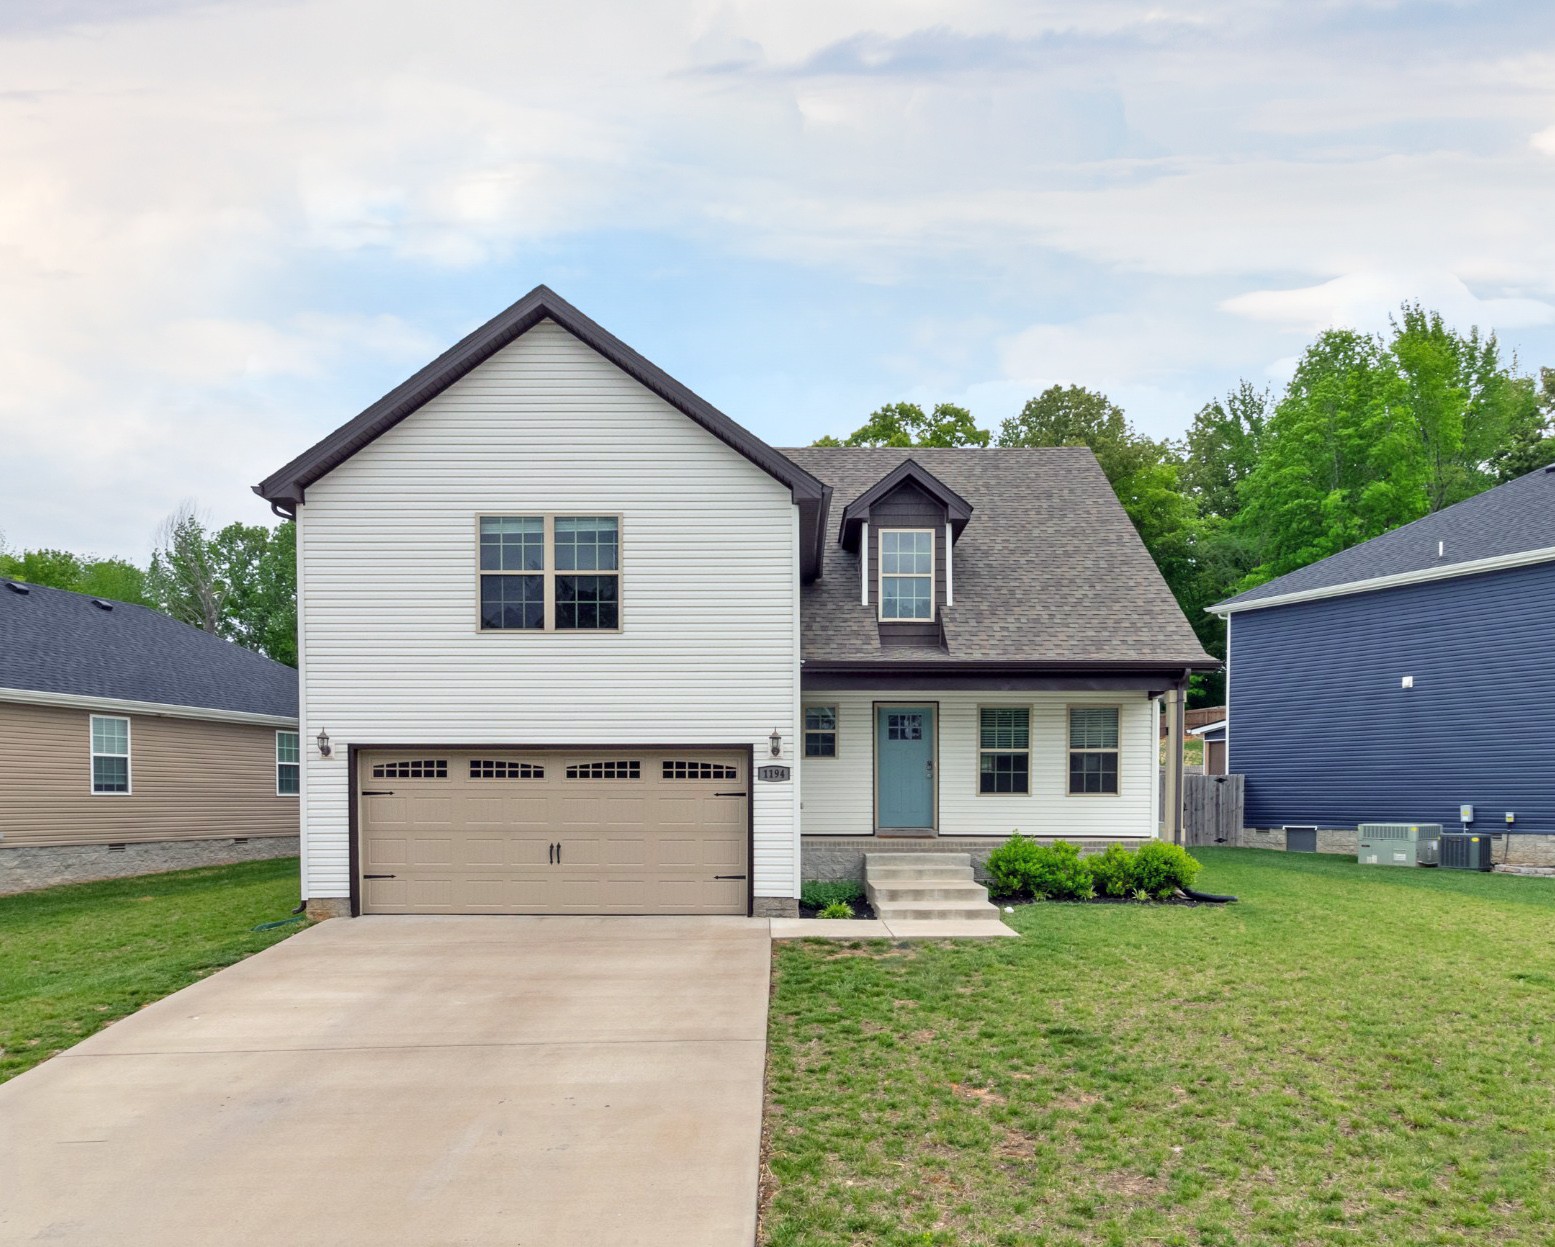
(288, 764)
(550, 572)
(907, 574)
(110, 755)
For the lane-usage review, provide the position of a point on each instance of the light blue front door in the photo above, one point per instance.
(904, 762)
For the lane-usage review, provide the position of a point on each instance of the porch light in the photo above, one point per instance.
(324, 745)
(777, 743)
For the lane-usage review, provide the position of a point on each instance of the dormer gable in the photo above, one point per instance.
(908, 491)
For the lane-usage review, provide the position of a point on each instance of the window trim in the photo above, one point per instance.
(93, 755)
(835, 733)
(932, 576)
(1070, 751)
(977, 771)
(280, 732)
(549, 573)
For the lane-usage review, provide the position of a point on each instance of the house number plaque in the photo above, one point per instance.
(772, 774)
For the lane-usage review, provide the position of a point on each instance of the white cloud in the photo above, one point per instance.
(221, 221)
(1365, 300)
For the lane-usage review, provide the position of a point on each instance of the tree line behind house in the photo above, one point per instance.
(237, 582)
(1372, 431)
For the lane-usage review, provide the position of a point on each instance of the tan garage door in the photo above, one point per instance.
(504, 831)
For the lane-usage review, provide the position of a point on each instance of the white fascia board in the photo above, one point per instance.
(1208, 727)
(1499, 562)
(118, 705)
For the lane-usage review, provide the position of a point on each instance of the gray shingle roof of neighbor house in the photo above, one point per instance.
(1048, 572)
(287, 488)
(1512, 523)
(52, 641)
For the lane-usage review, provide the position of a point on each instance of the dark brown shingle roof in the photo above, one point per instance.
(1049, 570)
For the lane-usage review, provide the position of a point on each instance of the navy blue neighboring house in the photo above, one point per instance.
(1407, 677)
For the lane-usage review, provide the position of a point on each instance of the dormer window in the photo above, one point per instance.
(907, 574)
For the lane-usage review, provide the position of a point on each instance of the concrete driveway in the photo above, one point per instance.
(426, 1081)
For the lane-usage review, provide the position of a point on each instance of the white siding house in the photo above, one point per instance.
(707, 652)
(561, 622)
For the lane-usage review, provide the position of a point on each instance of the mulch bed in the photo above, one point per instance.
(861, 909)
(1111, 900)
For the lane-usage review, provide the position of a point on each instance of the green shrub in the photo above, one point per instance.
(1061, 874)
(1112, 871)
(1161, 868)
(837, 909)
(819, 893)
(1010, 867)
(1023, 868)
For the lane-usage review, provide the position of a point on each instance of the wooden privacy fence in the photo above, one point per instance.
(1211, 808)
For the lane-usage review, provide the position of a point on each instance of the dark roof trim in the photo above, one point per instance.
(1147, 683)
(886, 670)
(286, 489)
(957, 509)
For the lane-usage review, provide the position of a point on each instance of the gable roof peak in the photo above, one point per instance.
(957, 509)
(286, 489)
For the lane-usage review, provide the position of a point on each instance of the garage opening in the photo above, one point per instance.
(555, 831)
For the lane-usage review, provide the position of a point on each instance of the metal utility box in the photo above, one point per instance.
(1398, 844)
(1465, 851)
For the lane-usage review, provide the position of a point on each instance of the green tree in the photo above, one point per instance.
(1145, 474)
(906, 424)
(113, 579)
(1223, 445)
(239, 582)
(1532, 444)
(1464, 403)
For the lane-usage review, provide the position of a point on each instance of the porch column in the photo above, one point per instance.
(1172, 707)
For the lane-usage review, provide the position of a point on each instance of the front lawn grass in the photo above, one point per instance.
(1351, 1055)
(74, 958)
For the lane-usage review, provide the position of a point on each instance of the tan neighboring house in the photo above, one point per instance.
(132, 743)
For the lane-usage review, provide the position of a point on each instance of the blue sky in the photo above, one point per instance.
(227, 227)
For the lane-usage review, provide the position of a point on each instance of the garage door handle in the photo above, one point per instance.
(380, 876)
(730, 794)
(728, 876)
(377, 792)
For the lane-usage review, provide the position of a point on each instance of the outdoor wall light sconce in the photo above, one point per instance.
(777, 743)
(325, 748)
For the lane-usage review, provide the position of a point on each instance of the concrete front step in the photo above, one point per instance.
(875, 860)
(910, 874)
(944, 911)
(927, 890)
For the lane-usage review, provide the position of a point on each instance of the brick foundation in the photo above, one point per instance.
(26, 868)
(322, 907)
(776, 907)
(842, 857)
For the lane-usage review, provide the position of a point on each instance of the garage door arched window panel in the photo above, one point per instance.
(503, 768)
(676, 768)
(412, 768)
(1093, 750)
(606, 770)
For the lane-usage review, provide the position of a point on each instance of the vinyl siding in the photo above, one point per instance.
(708, 647)
(1326, 735)
(190, 780)
(839, 792)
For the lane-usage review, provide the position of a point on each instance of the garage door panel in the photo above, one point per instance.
(555, 831)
